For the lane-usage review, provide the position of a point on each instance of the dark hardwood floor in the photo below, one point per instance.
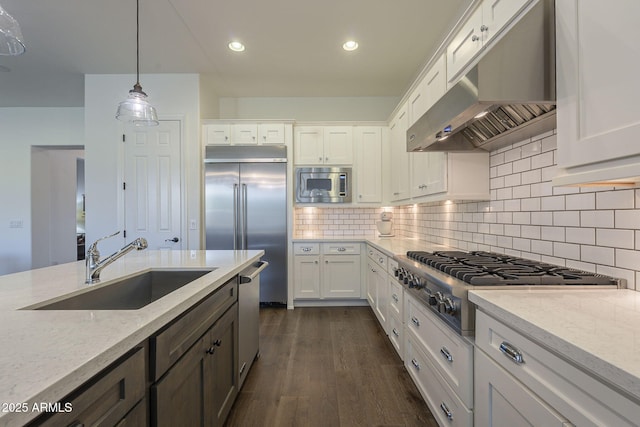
(327, 367)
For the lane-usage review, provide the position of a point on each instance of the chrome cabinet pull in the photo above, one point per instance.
(475, 38)
(415, 321)
(395, 298)
(484, 28)
(395, 332)
(446, 411)
(306, 249)
(446, 354)
(511, 352)
(415, 363)
(341, 249)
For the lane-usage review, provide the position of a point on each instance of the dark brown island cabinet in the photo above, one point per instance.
(184, 374)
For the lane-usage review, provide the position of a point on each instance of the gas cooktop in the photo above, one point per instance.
(492, 269)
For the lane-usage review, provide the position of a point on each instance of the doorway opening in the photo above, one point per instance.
(57, 205)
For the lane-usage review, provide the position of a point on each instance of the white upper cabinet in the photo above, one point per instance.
(598, 51)
(488, 19)
(399, 169)
(428, 173)
(244, 133)
(430, 89)
(368, 167)
(323, 145)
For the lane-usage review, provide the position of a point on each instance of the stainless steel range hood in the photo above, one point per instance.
(512, 87)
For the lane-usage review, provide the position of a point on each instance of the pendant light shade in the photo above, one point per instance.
(11, 40)
(136, 109)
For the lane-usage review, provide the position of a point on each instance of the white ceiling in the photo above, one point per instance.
(293, 46)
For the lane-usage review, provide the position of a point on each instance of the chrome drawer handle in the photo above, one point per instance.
(415, 363)
(446, 354)
(511, 352)
(306, 249)
(395, 298)
(342, 249)
(395, 332)
(415, 321)
(446, 411)
(380, 260)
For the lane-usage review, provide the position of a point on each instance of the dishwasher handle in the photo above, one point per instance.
(251, 273)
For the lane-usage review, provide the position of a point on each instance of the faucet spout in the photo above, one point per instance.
(95, 265)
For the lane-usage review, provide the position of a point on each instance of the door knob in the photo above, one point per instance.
(174, 240)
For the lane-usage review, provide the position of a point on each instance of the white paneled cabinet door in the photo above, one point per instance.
(152, 185)
(465, 45)
(429, 173)
(400, 173)
(338, 145)
(431, 88)
(598, 47)
(501, 400)
(217, 134)
(368, 164)
(244, 134)
(341, 276)
(306, 276)
(271, 133)
(309, 145)
(496, 14)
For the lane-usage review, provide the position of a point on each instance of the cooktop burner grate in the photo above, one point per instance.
(481, 268)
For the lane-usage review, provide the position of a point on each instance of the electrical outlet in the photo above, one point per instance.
(16, 223)
(192, 224)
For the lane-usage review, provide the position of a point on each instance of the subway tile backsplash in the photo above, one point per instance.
(593, 229)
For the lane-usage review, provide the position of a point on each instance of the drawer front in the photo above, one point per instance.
(105, 401)
(396, 334)
(396, 298)
(452, 356)
(378, 257)
(306, 248)
(168, 345)
(340, 248)
(443, 402)
(568, 389)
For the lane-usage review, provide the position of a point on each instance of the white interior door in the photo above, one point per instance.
(152, 185)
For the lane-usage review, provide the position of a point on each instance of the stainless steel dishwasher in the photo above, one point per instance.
(248, 318)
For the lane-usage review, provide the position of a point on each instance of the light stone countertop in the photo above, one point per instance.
(598, 330)
(47, 354)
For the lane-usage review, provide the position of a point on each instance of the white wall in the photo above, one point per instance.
(309, 109)
(175, 96)
(21, 129)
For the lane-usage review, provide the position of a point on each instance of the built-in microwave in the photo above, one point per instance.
(323, 185)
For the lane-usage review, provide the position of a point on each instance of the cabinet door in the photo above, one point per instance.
(308, 146)
(382, 297)
(177, 399)
(371, 283)
(429, 173)
(465, 45)
(271, 133)
(368, 166)
(217, 134)
(501, 400)
(400, 173)
(221, 371)
(430, 89)
(306, 276)
(597, 71)
(338, 145)
(496, 14)
(341, 276)
(244, 134)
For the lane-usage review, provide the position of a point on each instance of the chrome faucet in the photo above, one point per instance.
(95, 265)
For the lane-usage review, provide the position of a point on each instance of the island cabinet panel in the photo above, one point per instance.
(106, 399)
(201, 387)
(173, 341)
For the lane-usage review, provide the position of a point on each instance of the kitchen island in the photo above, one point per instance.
(49, 353)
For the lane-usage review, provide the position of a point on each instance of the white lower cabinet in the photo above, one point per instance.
(377, 287)
(527, 384)
(326, 271)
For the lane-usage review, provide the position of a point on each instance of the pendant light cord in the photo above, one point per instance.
(138, 42)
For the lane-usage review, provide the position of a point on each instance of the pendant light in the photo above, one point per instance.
(136, 109)
(11, 41)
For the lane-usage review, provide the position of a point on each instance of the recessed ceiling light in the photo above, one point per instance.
(236, 46)
(350, 45)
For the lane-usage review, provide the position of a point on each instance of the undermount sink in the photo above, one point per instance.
(130, 293)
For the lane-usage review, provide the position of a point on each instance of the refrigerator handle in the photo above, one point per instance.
(244, 217)
(235, 216)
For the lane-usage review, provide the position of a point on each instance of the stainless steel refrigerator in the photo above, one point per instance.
(246, 208)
